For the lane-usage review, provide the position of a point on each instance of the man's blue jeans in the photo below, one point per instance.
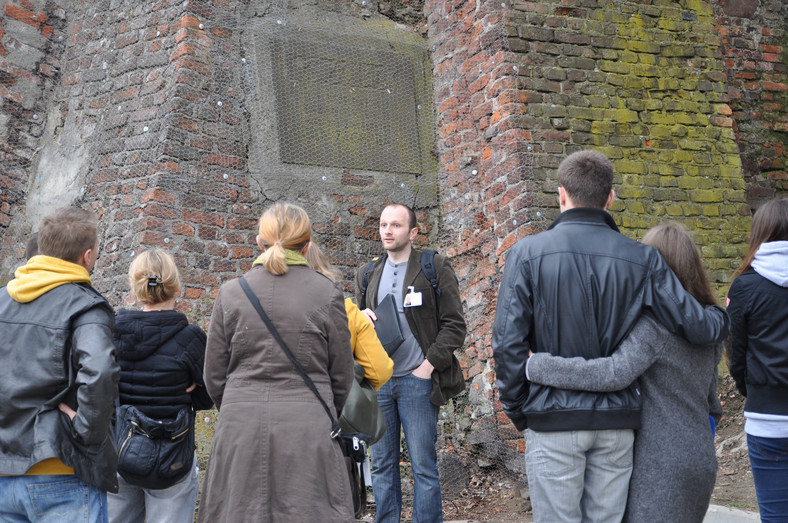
(405, 401)
(769, 460)
(580, 475)
(51, 499)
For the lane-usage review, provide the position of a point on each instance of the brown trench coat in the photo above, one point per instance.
(272, 458)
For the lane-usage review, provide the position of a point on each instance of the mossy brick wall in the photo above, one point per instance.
(754, 48)
(520, 85)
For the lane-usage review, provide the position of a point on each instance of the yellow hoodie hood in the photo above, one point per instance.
(41, 274)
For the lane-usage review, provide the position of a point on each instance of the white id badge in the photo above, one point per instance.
(412, 298)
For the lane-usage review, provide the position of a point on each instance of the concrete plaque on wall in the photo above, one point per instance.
(350, 102)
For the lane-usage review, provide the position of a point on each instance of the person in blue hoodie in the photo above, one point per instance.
(161, 358)
(758, 354)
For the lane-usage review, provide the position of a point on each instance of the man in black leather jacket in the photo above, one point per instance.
(58, 380)
(577, 289)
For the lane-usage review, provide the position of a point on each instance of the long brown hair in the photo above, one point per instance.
(318, 260)
(770, 224)
(681, 254)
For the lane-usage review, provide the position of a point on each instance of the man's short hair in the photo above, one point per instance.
(412, 221)
(587, 177)
(67, 233)
(31, 249)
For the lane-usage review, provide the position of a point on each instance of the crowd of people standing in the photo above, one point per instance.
(606, 355)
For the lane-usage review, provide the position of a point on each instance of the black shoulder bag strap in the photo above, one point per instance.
(335, 430)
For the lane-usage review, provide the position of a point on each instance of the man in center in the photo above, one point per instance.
(426, 372)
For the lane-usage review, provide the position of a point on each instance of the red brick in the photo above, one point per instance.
(182, 229)
(192, 65)
(241, 223)
(193, 293)
(181, 50)
(775, 86)
(237, 252)
(23, 15)
(188, 21)
(203, 218)
(223, 160)
(158, 195)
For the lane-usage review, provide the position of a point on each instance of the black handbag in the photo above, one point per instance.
(154, 454)
(353, 445)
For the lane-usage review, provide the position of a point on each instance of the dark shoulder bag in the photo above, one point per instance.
(154, 454)
(354, 446)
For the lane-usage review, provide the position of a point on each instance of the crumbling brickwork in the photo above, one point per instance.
(31, 45)
(754, 49)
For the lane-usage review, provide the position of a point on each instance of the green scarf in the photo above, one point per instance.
(291, 258)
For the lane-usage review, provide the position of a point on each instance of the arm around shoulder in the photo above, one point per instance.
(679, 312)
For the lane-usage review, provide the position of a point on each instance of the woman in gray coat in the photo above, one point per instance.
(675, 465)
(272, 457)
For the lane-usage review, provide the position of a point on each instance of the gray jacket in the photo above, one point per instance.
(58, 349)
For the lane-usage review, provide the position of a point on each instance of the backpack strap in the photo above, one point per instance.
(365, 282)
(428, 268)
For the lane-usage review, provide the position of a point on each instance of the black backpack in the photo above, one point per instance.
(427, 267)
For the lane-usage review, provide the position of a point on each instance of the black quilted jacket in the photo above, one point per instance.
(160, 356)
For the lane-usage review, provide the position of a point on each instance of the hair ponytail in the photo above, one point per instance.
(283, 226)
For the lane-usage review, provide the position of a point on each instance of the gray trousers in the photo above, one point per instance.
(579, 476)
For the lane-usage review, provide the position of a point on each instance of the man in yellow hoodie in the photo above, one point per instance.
(58, 380)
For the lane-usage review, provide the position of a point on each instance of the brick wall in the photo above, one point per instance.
(754, 48)
(520, 85)
(684, 97)
(31, 44)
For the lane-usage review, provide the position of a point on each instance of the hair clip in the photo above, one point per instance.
(153, 281)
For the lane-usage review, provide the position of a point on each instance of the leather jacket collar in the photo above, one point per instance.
(586, 214)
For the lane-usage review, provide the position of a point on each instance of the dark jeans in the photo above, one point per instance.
(769, 460)
(405, 401)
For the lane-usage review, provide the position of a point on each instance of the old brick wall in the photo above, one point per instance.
(754, 48)
(31, 45)
(687, 98)
(161, 100)
(519, 85)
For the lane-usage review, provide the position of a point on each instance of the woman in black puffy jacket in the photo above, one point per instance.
(758, 355)
(161, 358)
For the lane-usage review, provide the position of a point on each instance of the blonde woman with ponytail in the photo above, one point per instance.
(161, 357)
(272, 457)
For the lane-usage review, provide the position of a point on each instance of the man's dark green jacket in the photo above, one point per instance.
(438, 324)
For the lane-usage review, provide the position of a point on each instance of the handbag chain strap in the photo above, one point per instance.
(335, 430)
